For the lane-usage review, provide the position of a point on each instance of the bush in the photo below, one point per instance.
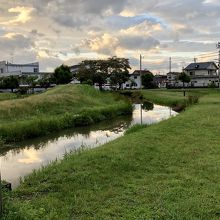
(192, 100)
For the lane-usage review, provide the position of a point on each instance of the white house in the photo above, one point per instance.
(134, 81)
(202, 74)
(173, 79)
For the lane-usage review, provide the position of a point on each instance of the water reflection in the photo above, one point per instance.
(32, 154)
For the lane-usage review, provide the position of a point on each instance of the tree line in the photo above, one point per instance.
(114, 71)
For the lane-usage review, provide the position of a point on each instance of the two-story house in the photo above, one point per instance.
(202, 74)
(134, 81)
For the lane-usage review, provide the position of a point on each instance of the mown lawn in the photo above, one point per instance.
(164, 171)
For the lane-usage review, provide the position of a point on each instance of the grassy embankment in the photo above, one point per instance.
(59, 108)
(165, 171)
(8, 96)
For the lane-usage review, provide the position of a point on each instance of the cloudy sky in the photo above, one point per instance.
(68, 31)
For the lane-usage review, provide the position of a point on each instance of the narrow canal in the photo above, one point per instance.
(33, 154)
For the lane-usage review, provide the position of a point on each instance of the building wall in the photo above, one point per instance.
(18, 68)
(204, 82)
(136, 79)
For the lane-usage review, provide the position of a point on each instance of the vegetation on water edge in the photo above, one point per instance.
(164, 171)
(58, 108)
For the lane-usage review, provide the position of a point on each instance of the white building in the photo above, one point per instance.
(7, 69)
(202, 74)
(134, 81)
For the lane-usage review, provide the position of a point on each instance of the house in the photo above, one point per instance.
(160, 81)
(134, 81)
(173, 79)
(203, 74)
(7, 69)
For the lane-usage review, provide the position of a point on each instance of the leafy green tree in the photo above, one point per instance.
(95, 71)
(86, 71)
(10, 82)
(45, 82)
(101, 73)
(118, 70)
(147, 80)
(62, 75)
(184, 78)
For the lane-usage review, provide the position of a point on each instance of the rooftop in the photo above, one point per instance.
(201, 66)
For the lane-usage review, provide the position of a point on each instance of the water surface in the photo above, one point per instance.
(35, 153)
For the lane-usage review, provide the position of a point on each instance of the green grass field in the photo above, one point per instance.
(165, 171)
(58, 108)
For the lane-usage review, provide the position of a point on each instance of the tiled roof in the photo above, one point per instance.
(200, 66)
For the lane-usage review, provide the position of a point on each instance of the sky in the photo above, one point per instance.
(54, 32)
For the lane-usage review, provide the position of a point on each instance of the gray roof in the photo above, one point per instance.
(201, 66)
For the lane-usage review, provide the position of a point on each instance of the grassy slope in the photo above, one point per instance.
(165, 171)
(173, 97)
(7, 96)
(55, 109)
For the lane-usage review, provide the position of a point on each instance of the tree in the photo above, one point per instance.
(62, 75)
(10, 82)
(184, 78)
(95, 71)
(101, 74)
(118, 70)
(45, 82)
(86, 71)
(147, 80)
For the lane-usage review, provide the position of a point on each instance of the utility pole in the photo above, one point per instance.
(141, 71)
(195, 60)
(170, 64)
(218, 47)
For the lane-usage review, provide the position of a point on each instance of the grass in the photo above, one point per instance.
(8, 96)
(164, 171)
(173, 97)
(59, 108)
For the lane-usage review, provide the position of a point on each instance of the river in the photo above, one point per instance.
(23, 158)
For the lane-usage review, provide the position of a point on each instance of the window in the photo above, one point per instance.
(127, 85)
(2, 70)
(135, 77)
(35, 70)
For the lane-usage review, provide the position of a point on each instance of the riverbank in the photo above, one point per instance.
(59, 108)
(165, 171)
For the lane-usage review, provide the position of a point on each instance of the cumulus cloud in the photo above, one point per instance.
(11, 42)
(23, 15)
(72, 30)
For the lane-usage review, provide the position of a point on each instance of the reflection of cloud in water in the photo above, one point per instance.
(158, 114)
(20, 162)
(31, 156)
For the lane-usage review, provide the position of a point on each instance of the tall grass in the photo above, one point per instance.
(59, 108)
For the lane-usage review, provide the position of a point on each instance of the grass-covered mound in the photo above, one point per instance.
(58, 108)
(164, 171)
(7, 96)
